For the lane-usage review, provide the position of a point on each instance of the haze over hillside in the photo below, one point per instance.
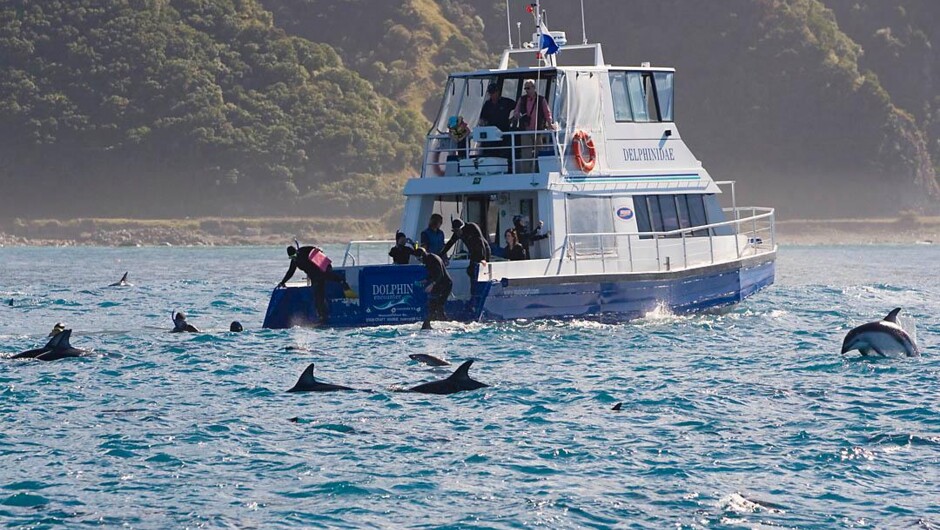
(823, 108)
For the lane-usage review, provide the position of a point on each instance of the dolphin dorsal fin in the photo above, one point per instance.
(462, 371)
(123, 278)
(54, 341)
(893, 315)
(64, 337)
(308, 373)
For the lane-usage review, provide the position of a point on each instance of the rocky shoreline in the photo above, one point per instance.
(187, 232)
(906, 230)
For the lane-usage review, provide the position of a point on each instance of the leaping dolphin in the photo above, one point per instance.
(885, 337)
(122, 282)
(457, 382)
(308, 383)
(57, 348)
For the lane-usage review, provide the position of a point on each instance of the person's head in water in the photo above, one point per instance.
(236, 327)
(179, 320)
(457, 226)
(421, 253)
(436, 221)
(58, 328)
(292, 252)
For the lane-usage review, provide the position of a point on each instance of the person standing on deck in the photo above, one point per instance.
(432, 238)
(527, 237)
(477, 247)
(534, 115)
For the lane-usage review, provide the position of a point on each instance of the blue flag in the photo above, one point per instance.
(548, 46)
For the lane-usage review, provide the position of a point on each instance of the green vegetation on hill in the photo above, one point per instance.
(318, 107)
(179, 106)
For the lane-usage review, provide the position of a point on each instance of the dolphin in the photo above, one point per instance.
(617, 407)
(457, 382)
(57, 348)
(885, 337)
(426, 325)
(308, 383)
(122, 282)
(429, 360)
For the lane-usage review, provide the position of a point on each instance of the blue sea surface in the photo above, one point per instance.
(746, 419)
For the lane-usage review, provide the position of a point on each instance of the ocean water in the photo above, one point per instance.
(746, 419)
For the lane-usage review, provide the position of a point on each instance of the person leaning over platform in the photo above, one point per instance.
(300, 259)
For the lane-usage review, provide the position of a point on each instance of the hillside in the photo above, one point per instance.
(824, 108)
(137, 107)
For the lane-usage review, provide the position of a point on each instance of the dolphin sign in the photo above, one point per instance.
(885, 337)
(57, 348)
(458, 381)
(309, 383)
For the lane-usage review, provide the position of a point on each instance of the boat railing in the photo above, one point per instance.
(353, 254)
(514, 152)
(752, 228)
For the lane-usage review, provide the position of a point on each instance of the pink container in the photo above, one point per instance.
(318, 258)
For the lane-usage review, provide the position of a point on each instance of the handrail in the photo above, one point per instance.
(356, 259)
(755, 241)
(768, 213)
(515, 164)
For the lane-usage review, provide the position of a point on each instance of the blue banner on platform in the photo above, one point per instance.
(389, 295)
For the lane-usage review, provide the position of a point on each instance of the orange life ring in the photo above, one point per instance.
(582, 137)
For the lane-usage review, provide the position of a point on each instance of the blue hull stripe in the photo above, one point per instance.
(606, 298)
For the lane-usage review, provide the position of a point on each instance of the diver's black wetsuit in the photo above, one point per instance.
(401, 254)
(318, 279)
(477, 245)
(527, 237)
(441, 283)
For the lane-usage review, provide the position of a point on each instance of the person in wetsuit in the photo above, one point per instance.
(525, 236)
(513, 251)
(300, 259)
(401, 253)
(478, 247)
(180, 325)
(439, 283)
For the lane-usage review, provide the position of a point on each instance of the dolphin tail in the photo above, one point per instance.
(893, 315)
(462, 371)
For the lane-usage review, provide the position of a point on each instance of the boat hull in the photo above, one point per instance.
(604, 297)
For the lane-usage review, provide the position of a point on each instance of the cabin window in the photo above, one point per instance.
(642, 96)
(591, 215)
(666, 213)
(664, 94)
(618, 86)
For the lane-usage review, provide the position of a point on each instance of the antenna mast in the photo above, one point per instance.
(583, 31)
(509, 24)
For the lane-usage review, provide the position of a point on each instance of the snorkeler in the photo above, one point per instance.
(180, 325)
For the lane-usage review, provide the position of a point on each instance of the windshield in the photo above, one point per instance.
(464, 97)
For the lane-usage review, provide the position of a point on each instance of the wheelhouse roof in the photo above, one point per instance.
(535, 70)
